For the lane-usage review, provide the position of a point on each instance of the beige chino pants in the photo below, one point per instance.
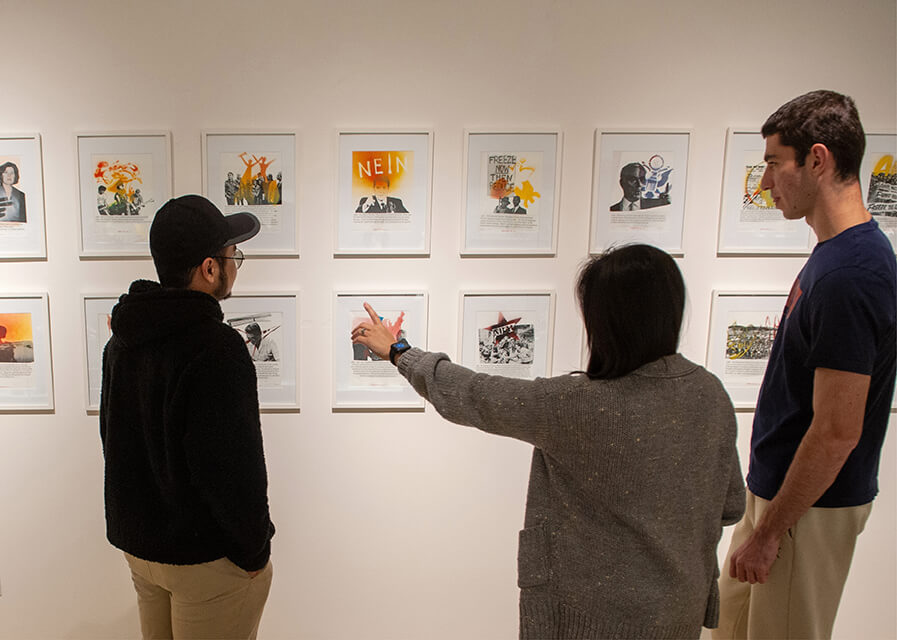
(801, 596)
(214, 599)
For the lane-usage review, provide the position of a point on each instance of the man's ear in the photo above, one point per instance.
(208, 270)
(820, 158)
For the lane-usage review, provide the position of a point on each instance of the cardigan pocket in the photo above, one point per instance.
(532, 557)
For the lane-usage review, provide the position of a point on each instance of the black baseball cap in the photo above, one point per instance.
(187, 230)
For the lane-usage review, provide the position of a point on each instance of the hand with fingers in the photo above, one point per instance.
(752, 561)
(374, 335)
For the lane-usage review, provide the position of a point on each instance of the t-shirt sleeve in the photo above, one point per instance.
(850, 309)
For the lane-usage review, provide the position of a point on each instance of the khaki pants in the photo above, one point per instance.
(211, 600)
(801, 596)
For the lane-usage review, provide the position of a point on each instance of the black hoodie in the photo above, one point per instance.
(179, 419)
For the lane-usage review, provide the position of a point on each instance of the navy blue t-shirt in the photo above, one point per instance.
(840, 315)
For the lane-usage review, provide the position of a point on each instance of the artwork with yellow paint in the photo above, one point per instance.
(124, 186)
(16, 339)
(882, 195)
(252, 178)
(512, 182)
(749, 334)
(754, 196)
(380, 181)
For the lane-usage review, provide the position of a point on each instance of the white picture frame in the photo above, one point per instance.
(360, 380)
(749, 222)
(275, 313)
(97, 322)
(660, 211)
(511, 197)
(508, 334)
(135, 168)
(26, 358)
(244, 157)
(276, 355)
(743, 325)
(22, 217)
(878, 181)
(395, 167)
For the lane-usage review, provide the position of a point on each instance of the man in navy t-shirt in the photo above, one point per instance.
(825, 401)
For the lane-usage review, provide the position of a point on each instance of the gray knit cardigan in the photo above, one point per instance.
(631, 482)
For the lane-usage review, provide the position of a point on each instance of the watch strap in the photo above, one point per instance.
(398, 348)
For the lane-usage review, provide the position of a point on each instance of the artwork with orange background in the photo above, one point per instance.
(18, 327)
(367, 166)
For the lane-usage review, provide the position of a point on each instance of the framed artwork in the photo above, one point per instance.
(268, 325)
(26, 371)
(266, 322)
(743, 326)
(360, 379)
(878, 179)
(639, 189)
(508, 334)
(255, 173)
(97, 331)
(123, 180)
(384, 182)
(22, 232)
(749, 220)
(511, 187)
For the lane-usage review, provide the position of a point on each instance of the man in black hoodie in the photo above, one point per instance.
(186, 485)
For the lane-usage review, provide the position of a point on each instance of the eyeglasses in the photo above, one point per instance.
(237, 258)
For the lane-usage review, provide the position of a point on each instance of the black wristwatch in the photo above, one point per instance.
(397, 349)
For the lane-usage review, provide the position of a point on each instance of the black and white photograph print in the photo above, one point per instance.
(644, 185)
(12, 199)
(260, 333)
(507, 341)
(639, 189)
(267, 323)
(21, 197)
(507, 334)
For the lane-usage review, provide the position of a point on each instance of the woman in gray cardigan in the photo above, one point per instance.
(634, 470)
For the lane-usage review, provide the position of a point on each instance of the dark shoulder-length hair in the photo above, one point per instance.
(632, 298)
(14, 168)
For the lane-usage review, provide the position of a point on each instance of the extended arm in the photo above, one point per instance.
(504, 406)
(839, 402)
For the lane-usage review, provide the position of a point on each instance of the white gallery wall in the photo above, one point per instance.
(390, 525)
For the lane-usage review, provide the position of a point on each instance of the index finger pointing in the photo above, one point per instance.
(374, 317)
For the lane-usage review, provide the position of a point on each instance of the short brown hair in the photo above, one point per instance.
(821, 117)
